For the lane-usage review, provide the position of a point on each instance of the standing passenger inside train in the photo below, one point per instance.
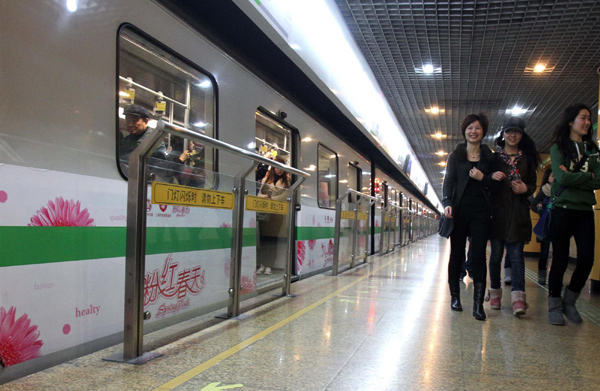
(466, 199)
(539, 205)
(577, 174)
(271, 226)
(511, 223)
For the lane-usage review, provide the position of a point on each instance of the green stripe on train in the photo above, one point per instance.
(36, 245)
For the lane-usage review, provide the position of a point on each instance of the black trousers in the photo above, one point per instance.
(471, 222)
(567, 223)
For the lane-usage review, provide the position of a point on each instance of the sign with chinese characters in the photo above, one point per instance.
(169, 194)
(266, 205)
(363, 216)
(347, 215)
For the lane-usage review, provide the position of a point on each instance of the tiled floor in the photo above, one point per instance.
(384, 326)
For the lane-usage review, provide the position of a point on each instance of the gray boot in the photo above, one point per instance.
(542, 277)
(569, 306)
(555, 311)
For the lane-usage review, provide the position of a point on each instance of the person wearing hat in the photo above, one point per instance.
(136, 124)
(517, 158)
(468, 183)
(577, 174)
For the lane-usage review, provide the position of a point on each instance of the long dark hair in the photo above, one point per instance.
(563, 130)
(526, 145)
(272, 177)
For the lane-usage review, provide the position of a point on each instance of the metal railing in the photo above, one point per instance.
(134, 314)
(388, 214)
(361, 198)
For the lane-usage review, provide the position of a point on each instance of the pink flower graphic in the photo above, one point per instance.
(225, 225)
(3, 196)
(18, 340)
(248, 284)
(62, 214)
(312, 243)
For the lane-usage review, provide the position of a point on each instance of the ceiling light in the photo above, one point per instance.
(306, 139)
(72, 5)
(441, 153)
(443, 164)
(539, 68)
(428, 69)
(439, 135)
(295, 46)
(312, 167)
(516, 111)
(435, 110)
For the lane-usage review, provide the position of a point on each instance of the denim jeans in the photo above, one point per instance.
(579, 224)
(514, 251)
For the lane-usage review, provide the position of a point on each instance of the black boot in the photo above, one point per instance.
(455, 296)
(478, 294)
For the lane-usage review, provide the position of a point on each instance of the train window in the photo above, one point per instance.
(327, 168)
(273, 140)
(155, 84)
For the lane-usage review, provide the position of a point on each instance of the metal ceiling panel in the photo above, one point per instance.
(486, 51)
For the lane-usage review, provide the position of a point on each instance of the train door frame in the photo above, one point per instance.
(358, 179)
(294, 151)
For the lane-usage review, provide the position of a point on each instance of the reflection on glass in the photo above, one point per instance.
(327, 177)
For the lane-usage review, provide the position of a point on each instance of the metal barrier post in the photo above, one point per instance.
(237, 242)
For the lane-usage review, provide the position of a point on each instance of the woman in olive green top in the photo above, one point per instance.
(573, 214)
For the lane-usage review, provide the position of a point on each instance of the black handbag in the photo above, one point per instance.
(446, 226)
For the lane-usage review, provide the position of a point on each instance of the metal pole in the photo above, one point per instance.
(237, 242)
(133, 330)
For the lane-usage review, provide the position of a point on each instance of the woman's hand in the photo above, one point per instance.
(448, 212)
(498, 176)
(562, 167)
(476, 174)
(184, 156)
(518, 187)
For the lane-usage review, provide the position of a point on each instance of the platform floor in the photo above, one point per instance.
(384, 326)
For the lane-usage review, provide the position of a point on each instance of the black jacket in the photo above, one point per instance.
(511, 219)
(457, 175)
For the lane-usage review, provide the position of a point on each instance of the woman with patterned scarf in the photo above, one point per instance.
(511, 227)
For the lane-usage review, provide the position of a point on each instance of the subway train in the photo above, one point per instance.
(70, 73)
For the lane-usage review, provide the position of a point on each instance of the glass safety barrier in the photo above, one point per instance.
(267, 212)
(205, 213)
(351, 232)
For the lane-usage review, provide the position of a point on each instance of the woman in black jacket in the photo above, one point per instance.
(511, 228)
(466, 199)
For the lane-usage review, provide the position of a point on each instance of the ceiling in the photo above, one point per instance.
(486, 51)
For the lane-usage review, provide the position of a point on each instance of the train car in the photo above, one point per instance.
(77, 78)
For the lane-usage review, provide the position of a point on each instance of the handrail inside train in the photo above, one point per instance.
(179, 131)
